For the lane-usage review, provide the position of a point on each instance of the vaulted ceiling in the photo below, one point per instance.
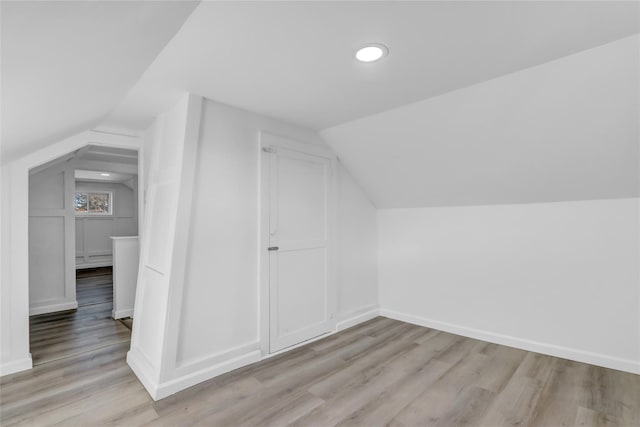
(69, 66)
(295, 60)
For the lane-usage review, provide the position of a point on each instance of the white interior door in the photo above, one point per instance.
(299, 189)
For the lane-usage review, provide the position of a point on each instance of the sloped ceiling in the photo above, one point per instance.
(470, 106)
(67, 64)
(564, 130)
(295, 60)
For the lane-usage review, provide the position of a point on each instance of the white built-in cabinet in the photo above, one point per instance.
(125, 275)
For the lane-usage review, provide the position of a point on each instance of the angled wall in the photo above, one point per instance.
(206, 321)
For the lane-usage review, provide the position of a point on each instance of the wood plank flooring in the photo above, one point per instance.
(382, 372)
(66, 333)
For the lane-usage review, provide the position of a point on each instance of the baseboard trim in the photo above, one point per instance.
(358, 316)
(197, 371)
(189, 366)
(143, 370)
(524, 344)
(185, 381)
(14, 366)
(121, 314)
(52, 308)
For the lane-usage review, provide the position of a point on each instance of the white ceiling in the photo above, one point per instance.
(66, 64)
(405, 126)
(119, 162)
(294, 60)
(564, 130)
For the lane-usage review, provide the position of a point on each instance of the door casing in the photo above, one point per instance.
(266, 142)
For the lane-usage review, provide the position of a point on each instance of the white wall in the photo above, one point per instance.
(93, 243)
(51, 240)
(162, 253)
(197, 312)
(357, 270)
(558, 278)
(221, 289)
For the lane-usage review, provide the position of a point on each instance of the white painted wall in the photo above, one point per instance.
(163, 245)
(193, 326)
(558, 278)
(564, 130)
(357, 250)
(51, 240)
(92, 233)
(222, 281)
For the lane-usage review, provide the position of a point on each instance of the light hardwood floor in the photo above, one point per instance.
(382, 372)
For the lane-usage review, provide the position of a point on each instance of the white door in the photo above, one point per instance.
(299, 189)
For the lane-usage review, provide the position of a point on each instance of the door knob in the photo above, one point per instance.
(272, 248)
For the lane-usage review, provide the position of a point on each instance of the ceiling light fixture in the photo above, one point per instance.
(371, 52)
(105, 174)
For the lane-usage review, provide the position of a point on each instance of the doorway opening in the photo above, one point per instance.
(83, 234)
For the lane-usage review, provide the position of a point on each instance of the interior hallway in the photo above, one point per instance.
(377, 373)
(57, 335)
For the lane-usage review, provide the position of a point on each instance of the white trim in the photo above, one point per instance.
(14, 366)
(187, 367)
(121, 314)
(142, 368)
(266, 141)
(597, 359)
(180, 236)
(219, 363)
(43, 308)
(364, 314)
(268, 138)
(175, 385)
(358, 316)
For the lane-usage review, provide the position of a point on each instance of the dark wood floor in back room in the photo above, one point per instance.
(66, 333)
(382, 372)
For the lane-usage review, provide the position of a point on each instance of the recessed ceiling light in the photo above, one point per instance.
(105, 174)
(371, 52)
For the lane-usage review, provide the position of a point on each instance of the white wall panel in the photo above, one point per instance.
(51, 240)
(46, 259)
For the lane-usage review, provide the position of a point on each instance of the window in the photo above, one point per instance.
(92, 203)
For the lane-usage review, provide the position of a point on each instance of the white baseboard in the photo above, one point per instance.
(121, 314)
(141, 367)
(524, 344)
(145, 372)
(52, 307)
(358, 316)
(193, 372)
(175, 385)
(14, 366)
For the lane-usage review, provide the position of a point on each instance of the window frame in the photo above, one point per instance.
(87, 212)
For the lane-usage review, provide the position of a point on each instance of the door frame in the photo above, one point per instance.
(18, 233)
(269, 140)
